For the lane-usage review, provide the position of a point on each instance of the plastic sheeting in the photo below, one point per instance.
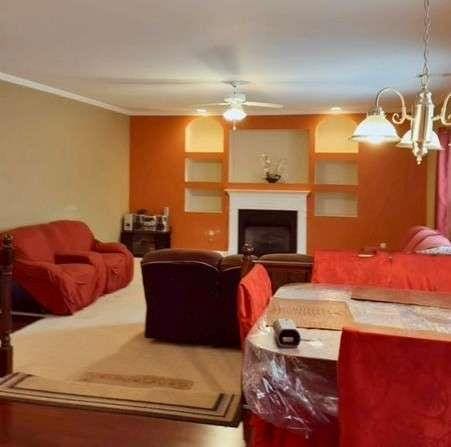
(296, 389)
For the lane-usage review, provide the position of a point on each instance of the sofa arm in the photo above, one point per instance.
(110, 247)
(47, 284)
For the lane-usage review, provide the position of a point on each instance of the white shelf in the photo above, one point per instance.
(336, 204)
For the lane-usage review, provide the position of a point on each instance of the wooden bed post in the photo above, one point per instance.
(248, 261)
(6, 268)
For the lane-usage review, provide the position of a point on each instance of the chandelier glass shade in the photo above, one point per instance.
(434, 145)
(376, 129)
(421, 138)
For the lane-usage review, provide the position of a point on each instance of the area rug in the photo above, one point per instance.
(206, 408)
(99, 357)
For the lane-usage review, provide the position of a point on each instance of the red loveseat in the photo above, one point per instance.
(65, 268)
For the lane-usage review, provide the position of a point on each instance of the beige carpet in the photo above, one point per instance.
(101, 352)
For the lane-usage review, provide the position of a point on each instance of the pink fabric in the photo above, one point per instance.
(254, 294)
(443, 213)
(424, 238)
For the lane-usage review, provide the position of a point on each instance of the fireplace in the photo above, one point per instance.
(269, 231)
(287, 230)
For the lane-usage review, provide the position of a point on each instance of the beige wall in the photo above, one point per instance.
(61, 159)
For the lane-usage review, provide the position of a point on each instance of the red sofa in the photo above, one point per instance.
(65, 268)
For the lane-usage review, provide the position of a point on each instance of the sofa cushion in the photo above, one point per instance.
(81, 274)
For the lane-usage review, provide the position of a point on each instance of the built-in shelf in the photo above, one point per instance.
(333, 135)
(335, 172)
(203, 200)
(203, 170)
(336, 204)
(204, 134)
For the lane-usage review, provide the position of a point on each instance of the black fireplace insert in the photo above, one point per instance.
(269, 231)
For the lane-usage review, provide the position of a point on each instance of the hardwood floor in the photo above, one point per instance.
(42, 426)
(27, 425)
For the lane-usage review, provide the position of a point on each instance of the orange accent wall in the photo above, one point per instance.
(391, 190)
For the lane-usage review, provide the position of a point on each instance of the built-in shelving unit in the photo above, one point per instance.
(204, 161)
(336, 172)
(203, 170)
(336, 204)
(203, 200)
(335, 164)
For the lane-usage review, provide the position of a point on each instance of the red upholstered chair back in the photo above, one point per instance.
(395, 389)
(254, 294)
(40, 242)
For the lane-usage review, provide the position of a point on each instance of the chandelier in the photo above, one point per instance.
(421, 138)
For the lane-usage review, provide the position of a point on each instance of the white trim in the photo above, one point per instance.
(63, 93)
(268, 200)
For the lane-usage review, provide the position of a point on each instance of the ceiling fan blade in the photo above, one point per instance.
(263, 104)
(212, 104)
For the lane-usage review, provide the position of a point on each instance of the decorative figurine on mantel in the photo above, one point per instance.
(273, 170)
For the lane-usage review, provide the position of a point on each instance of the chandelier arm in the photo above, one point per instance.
(446, 120)
(397, 118)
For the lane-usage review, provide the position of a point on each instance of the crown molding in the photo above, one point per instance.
(63, 93)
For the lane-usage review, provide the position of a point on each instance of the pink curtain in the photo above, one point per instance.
(443, 209)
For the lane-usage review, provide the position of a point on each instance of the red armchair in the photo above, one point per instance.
(65, 268)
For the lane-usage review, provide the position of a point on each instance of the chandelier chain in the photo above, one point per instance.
(426, 40)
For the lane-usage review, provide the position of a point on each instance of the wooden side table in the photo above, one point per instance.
(139, 242)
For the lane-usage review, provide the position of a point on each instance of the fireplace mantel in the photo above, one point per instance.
(268, 199)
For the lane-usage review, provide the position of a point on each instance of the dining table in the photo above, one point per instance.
(296, 388)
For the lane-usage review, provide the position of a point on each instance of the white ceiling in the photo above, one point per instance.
(165, 56)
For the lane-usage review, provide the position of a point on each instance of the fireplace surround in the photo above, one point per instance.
(269, 200)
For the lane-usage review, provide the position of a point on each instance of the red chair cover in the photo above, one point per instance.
(395, 389)
(254, 293)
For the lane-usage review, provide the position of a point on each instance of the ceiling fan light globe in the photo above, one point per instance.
(234, 113)
(375, 129)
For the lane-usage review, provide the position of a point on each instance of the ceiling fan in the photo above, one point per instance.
(235, 111)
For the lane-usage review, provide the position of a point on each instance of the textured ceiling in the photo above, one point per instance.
(164, 57)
